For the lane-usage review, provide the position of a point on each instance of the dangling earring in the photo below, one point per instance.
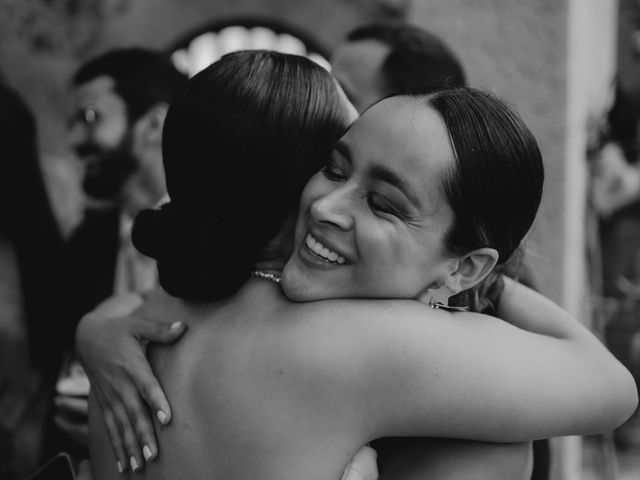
(448, 308)
(443, 306)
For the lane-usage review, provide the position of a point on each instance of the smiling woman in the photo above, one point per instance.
(379, 204)
(409, 206)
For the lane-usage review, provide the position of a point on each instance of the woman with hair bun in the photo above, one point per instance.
(285, 373)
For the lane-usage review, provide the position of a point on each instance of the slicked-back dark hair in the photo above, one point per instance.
(142, 77)
(495, 185)
(240, 142)
(417, 59)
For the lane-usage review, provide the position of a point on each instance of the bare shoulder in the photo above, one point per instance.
(387, 322)
(365, 338)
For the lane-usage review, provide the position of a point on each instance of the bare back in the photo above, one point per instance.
(244, 404)
(254, 389)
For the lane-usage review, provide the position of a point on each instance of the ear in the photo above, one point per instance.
(436, 293)
(149, 126)
(472, 269)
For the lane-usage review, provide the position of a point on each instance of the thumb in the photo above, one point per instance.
(147, 330)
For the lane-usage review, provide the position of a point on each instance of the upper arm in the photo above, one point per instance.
(418, 372)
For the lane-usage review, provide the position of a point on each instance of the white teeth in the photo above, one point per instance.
(324, 252)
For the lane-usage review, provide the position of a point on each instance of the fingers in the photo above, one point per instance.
(150, 390)
(138, 414)
(129, 426)
(116, 440)
(130, 441)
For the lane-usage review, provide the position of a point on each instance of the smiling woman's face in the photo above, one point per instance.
(372, 222)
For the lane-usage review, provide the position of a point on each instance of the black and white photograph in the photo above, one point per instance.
(319, 239)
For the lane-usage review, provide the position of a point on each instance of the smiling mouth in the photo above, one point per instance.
(323, 252)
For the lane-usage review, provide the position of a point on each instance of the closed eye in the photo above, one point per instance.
(379, 203)
(334, 172)
(338, 167)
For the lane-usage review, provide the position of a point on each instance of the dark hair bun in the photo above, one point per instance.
(197, 257)
(147, 233)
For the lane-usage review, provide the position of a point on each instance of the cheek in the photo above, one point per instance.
(316, 187)
(110, 134)
(402, 260)
(306, 199)
(383, 247)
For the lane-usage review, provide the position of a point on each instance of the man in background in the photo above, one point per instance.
(120, 100)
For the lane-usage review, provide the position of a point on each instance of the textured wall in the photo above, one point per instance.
(518, 50)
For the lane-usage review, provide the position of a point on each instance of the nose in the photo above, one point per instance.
(335, 208)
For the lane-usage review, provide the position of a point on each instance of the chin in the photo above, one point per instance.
(294, 286)
(300, 285)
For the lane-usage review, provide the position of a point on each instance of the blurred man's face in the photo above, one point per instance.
(358, 68)
(100, 134)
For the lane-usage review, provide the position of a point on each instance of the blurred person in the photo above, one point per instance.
(120, 100)
(32, 277)
(378, 60)
(615, 197)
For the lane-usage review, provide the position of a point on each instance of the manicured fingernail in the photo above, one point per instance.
(119, 464)
(175, 325)
(134, 463)
(162, 417)
(146, 451)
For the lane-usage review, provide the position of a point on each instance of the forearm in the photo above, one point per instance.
(544, 376)
(528, 310)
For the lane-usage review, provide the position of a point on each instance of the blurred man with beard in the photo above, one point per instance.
(120, 100)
